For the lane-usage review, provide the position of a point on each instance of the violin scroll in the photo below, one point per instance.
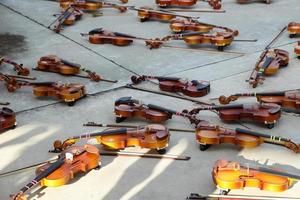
(60, 146)
(137, 79)
(226, 100)
(19, 196)
(215, 4)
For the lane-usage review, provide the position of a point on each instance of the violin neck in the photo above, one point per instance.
(279, 93)
(280, 173)
(38, 83)
(222, 107)
(44, 174)
(159, 108)
(70, 63)
(163, 78)
(272, 138)
(103, 133)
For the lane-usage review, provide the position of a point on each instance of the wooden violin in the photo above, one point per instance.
(67, 17)
(215, 4)
(210, 134)
(55, 64)
(181, 25)
(293, 29)
(287, 99)
(196, 196)
(19, 68)
(70, 162)
(218, 39)
(248, 1)
(7, 119)
(101, 36)
(126, 107)
(297, 49)
(233, 175)
(91, 5)
(145, 13)
(194, 88)
(154, 136)
(264, 113)
(269, 63)
(69, 93)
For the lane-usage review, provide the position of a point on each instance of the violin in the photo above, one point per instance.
(181, 25)
(218, 39)
(215, 4)
(196, 196)
(293, 29)
(55, 64)
(248, 1)
(287, 99)
(19, 68)
(7, 119)
(297, 49)
(263, 113)
(69, 163)
(209, 134)
(126, 107)
(154, 136)
(145, 13)
(269, 63)
(194, 88)
(67, 17)
(69, 93)
(229, 175)
(91, 5)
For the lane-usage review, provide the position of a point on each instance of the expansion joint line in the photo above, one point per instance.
(70, 39)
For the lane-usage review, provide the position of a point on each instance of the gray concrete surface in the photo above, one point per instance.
(44, 120)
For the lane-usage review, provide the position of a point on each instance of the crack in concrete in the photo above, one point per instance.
(70, 39)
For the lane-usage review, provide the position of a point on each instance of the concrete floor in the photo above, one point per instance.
(41, 121)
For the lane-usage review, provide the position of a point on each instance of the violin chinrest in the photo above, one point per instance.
(124, 100)
(200, 85)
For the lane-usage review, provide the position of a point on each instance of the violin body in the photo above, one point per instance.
(231, 175)
(248, 1)
(76, 15)
(146, 13)
(69, 93)
(54, 64)
(109, 39)
(215, 4)
(267, 114)
(180, 3)
(182, 25)
(154, 136)
(297, 50)
(85, 5)
(125, 110)
(209, 134)
(269, 63)
(192, 88)
(293, 29)
(69, 163)
(7, 119)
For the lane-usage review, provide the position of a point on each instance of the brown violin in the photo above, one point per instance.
(55, 64)
(215, 4)
(19, 68)
(229, 175)
(248, 1)
(69, 163)
(145, 13)
(267, 114)
(154, 136)
(287, 99)
(91, 5)
(293, 29)
(196, 196)
(69, 93)
(209, 134)
(101, 36)
(194, 88)
(218, 39)
(297, 49)
(7, 119)
(67, 17)
(126, 107)
(182, 25)
(269, 63)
